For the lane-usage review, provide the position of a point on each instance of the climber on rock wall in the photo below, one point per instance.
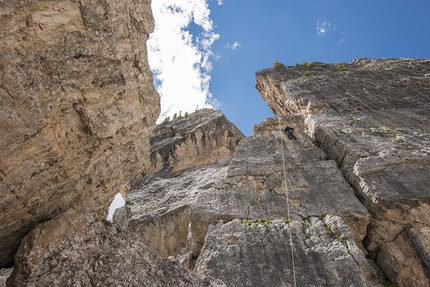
(289, 132)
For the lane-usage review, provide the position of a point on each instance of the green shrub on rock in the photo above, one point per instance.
(277, 64)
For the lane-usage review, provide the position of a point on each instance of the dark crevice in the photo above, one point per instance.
(7, 92)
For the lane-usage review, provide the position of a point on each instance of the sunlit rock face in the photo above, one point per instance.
(250, 252)
(372, 118)
(199, 138)
(363, 84)
(77, 106)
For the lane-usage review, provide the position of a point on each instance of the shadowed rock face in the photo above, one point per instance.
(93, 253)
(372, 118)
(77, 105)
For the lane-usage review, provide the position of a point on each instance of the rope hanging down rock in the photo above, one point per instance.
(287, 196)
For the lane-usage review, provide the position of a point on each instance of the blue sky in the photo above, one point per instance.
(245, 36)
(205, 53)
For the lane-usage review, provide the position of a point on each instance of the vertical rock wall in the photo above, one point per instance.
(372, 118)
(77, 105)
(229, 218)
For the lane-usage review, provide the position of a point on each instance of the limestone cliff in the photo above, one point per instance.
(77, 105)
(344, 197)
(372, 118)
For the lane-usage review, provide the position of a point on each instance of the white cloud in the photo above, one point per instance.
(233, 46)
(117, 202)
(181, 61)
(324, 27)
(220, 2)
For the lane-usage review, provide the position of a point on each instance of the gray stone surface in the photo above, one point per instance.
(258, 253)
(159, 210)
(254, 186)
(189, 156)
(4, 274)
(363, 84)
(384, 154)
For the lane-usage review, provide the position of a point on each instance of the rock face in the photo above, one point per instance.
(364, 84)
(96, 253)
(77, 105)
(229, 220)
(344, 197)
(4, 274)
(258, 253)
(341, 197)
(202, 137)
(158, 208)
(372, 118)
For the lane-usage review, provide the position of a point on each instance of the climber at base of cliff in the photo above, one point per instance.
(289, 132)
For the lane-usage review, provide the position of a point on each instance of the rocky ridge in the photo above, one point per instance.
(202, 137)
(158, 208)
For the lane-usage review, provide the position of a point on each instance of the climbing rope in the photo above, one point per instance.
(288, 203)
